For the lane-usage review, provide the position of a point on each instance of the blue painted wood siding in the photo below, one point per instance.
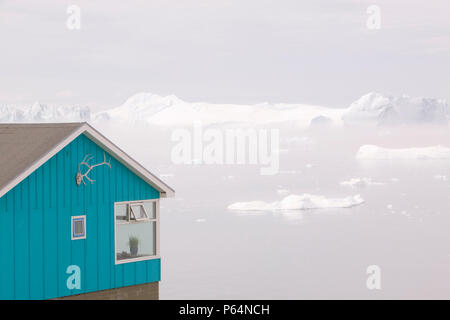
(35, 228)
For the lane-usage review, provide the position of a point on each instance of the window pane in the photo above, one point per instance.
(121, 212)
(138, 211)
(150, 207)
(78, 227)
(136, 240)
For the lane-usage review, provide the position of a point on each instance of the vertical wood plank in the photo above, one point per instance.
(21, 242)
(36, 240)
(50, 235)
(64, 222)
(7, 288)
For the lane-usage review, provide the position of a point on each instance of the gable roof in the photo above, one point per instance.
(25, 147)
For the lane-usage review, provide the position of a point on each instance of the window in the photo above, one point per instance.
(78, 227)
(136, 230)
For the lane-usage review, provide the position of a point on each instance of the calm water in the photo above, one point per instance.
(210, 252)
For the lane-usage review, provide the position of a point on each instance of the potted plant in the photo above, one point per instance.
(133, 242)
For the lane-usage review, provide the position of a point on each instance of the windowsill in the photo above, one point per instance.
(135, 222)
(137, 259)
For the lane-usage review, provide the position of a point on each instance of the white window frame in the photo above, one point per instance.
(72, 230)
(148, 219)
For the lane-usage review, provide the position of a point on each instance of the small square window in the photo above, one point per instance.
(78, 227)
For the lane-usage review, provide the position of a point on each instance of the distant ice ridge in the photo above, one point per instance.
(377, 109)
(44, 113)
(360, 182)
(371, 109)
(140, 108)
(298, 202)
(378, 153)
(153, 109)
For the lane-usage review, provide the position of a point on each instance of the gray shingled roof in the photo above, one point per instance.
(23, 144)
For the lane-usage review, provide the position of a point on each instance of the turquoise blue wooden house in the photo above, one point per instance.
(79, 218)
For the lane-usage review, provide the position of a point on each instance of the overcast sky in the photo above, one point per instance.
(241, 51)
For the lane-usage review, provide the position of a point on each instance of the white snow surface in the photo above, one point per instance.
(379, 153)
(298, 202)
(377, 109)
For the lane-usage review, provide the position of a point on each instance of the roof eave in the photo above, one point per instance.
(164, 190)
(121, 156)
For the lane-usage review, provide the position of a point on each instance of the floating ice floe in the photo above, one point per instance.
(229, 177)
(405, 213)
(440, 177)
(299, 202)
(378, 153)
(360, 182)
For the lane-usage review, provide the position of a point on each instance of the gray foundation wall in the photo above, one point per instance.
(148, 291)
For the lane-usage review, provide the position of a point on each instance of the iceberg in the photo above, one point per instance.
(152, 109)
(140, 108)
(44, 113)
(377, 109)
(298, 202)
(148, 108)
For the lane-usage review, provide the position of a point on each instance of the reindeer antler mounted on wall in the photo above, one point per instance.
(80, 176)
